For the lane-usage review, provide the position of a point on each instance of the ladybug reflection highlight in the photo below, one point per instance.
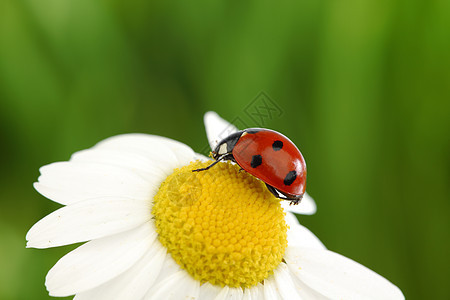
(269, 156)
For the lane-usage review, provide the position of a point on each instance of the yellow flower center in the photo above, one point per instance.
(221, 225)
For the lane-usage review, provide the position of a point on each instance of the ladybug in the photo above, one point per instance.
(269, 156)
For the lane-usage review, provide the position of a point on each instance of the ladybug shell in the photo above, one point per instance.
(273, 158)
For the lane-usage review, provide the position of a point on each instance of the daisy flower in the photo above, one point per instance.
(153, 229)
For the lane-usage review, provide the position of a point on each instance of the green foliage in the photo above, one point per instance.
(363, 86)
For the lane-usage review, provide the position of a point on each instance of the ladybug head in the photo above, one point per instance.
(226, 145)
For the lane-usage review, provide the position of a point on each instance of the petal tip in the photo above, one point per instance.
(36, 186)
(306, 207)
(217, 128)
(210, 114)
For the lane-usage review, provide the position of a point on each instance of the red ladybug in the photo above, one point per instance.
(269, 156)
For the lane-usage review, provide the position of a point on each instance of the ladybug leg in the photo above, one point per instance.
(226, 156)
(295, 200)
(273, 191)
(207, 168)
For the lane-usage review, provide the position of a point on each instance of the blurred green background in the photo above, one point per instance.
(363, 88)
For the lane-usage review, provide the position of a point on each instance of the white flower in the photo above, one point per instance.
(114, 197)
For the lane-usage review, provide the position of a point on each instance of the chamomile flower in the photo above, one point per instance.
(156, 230)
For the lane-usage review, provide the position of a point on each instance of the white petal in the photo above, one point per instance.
(87, 220)
(133, 283)
(169, 268)
(306, 207)
(235, 294)
(291, 219)
(179, 285)
(338, 277)
(132, 165)
(202, 158)
(254, 293)
(227, 293)
(300, 236)
(285, 284)
(169, 153)
(305, 291)
(183, 152)
(98, 261)
(149, 169)
(209, 291)
(70, 182)
(217, 128)
(271, 289)
(223, 293)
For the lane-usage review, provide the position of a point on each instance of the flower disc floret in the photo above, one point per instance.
(221, 225)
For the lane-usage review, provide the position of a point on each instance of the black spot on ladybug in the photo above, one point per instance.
(256, 161)
(277, 145)
(290, 177)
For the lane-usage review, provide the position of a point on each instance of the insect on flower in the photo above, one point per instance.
(269, 156)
